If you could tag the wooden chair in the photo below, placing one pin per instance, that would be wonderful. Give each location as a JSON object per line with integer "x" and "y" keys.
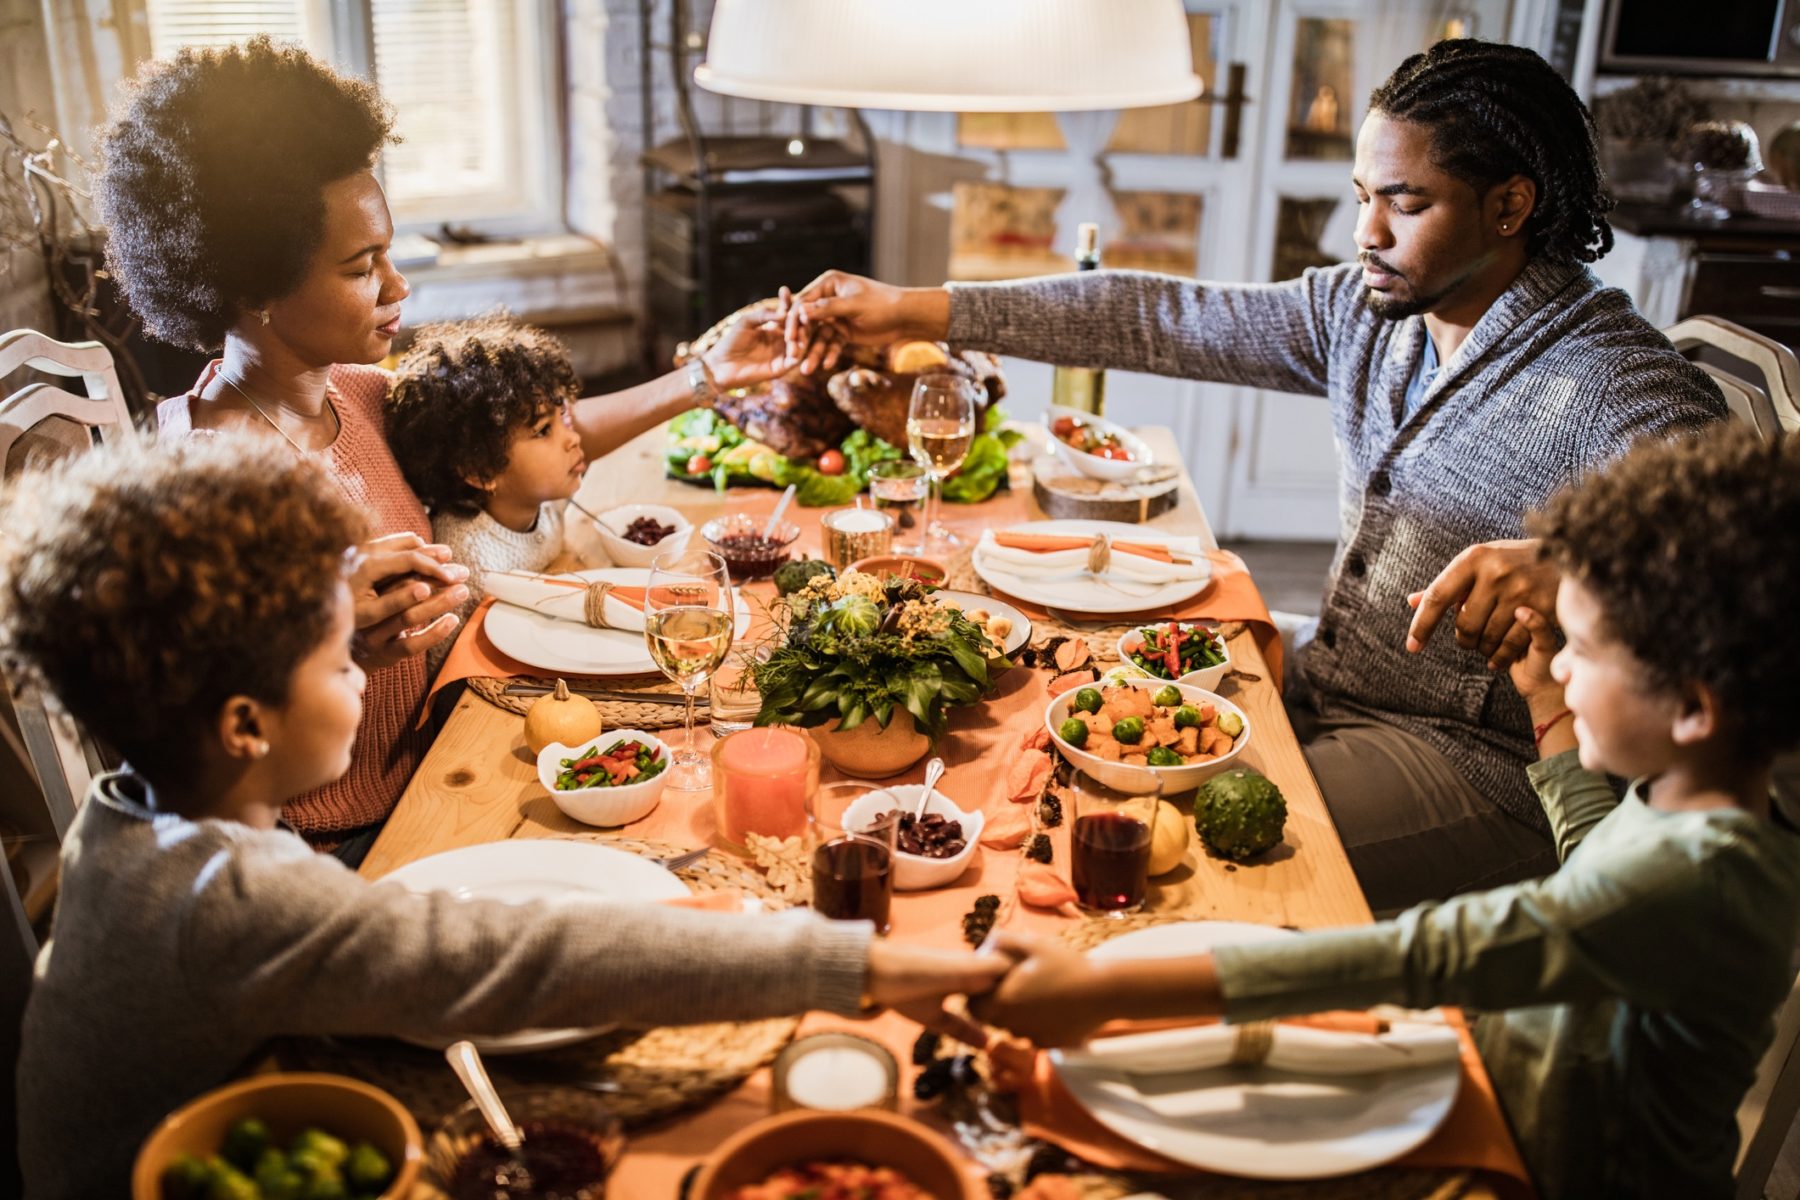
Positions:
{"x": 42, "y": 421}
{"x": 1759, "y": 376}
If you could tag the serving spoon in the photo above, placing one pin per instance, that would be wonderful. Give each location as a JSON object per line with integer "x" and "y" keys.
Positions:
{"x": 465, "y": 1060}
{"x": 934, "y": 771}
{"x": 780, "y": 507}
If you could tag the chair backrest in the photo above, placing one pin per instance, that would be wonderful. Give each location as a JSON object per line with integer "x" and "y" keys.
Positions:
{"x": 1767, "y": 1114}
{"x": 1760, "y": 377}
{"x": 38, "y": 421}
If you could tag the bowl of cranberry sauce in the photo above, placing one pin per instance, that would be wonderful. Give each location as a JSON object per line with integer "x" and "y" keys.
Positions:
{"x": 748, "y": 551}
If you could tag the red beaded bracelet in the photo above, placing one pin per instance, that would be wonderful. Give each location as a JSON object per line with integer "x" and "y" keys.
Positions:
{"x": 1538, "y": 731}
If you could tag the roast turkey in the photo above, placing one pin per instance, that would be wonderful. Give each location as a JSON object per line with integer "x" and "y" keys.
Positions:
{"x": 802, "y": 416}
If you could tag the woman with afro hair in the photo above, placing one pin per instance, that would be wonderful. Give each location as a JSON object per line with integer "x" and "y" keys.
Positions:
{"x": 245, "y": 218}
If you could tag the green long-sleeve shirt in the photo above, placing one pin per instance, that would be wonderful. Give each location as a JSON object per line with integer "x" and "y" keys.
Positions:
{"x": 1638, "y": 984}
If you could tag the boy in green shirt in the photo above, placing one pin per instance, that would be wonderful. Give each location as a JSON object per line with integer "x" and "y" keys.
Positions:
{"x": 1631, "y": 994}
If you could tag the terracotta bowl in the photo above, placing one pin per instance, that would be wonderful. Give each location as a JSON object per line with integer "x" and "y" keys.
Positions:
{"x": 869, "y": 1136}
{"x": 926, "y": 570}
{"x": 288, "y": 1102}
{"x": 871, "y": 751}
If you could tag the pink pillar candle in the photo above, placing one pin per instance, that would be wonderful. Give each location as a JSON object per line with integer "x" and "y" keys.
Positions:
{"x": 761, "y": 779}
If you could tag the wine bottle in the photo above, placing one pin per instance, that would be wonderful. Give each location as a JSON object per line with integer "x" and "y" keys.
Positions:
{"x": 1082, "y": 388}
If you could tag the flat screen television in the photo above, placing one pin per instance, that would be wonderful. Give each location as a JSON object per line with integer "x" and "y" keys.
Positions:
{"x": 1684, "y": 37}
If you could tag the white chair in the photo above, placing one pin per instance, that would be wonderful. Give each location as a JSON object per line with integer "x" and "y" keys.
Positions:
{"x": 1769, "y": 403}
{"x": 39, "y": 422}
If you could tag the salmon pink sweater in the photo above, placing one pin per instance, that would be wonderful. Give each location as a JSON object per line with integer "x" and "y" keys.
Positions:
{"x": 388, "y": 748}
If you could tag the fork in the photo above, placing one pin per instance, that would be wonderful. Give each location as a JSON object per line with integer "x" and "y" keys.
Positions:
{"x": 686, "y": 859}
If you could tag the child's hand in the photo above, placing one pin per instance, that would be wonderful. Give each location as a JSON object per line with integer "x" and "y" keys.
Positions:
{"x": 406, "y": 593}
{"x": 1531, "y": 673}
{"x": 753, "y": 350}
{"x": 916, "y": 980}
{"x": 1053, "y": 995}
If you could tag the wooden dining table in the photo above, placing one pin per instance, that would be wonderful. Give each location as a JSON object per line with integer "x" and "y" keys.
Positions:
{"x": 478, "y": 784}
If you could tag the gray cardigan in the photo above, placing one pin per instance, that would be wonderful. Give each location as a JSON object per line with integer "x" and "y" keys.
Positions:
{"x": 1557, "y": 377}
{"x": 179, "y": 946}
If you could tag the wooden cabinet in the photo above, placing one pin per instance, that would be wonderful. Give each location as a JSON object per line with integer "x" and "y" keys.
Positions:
{"x": 1744, "y": 269}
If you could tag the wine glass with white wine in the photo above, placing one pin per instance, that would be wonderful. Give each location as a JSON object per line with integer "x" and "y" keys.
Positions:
{"x": 940, "y": 426}
{"x": 689, "y": 612}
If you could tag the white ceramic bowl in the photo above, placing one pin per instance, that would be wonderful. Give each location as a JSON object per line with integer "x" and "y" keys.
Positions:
{"x": 1123, "y": 776}
{"x": 915, "y": 872}
{"x": 1206, "y": 678}
{"x": 630, "y": 554}
{"x": 1092, "y": 465}
{"x": 604, "y": 805}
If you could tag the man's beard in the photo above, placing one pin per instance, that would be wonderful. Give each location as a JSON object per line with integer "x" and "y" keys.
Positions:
{"x": 1393, "y": 308}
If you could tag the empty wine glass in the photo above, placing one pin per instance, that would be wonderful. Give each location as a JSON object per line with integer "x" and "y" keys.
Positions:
{"x": 940, "y": 425}
{"x": 689, "y": 612}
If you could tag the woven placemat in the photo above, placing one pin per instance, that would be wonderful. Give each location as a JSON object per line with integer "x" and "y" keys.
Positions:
{"x": 617, "y": 714}
{"x": 644, "y": 1075}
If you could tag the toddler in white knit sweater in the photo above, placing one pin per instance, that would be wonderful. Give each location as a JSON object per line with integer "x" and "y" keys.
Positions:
{"x": 479, "y": 420}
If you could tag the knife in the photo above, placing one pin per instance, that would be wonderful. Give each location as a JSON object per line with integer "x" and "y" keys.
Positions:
{"x": 538, "y": 689}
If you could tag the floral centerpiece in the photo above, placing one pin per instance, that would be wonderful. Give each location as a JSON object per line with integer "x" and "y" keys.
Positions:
{"x": 859, "y": 649}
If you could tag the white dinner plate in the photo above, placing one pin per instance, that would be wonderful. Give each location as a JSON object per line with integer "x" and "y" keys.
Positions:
{"x": 1251, "y": 1122}
{"x": 528, "y": 869}
{"x": 1021, "y": 624}
{"x": 551, "y": 644}
{"x": 1087, "y": 594}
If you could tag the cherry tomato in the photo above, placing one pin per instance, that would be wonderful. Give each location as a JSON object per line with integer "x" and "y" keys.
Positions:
{"x": 700, "y": 464}
{"x": 1065, "y": 426}
{"x": 831, "y": 462}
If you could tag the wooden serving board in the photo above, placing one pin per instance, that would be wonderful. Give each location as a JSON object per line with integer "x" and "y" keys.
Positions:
{"x": 1063, "y": 492}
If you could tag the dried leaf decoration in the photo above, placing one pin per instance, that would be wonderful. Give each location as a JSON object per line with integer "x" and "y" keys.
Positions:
{"x": 1007, "y": 827}
{"x": 785, "y": 862}
{"x": 1073, "y": 654}
{"x": 1027, "y": 777}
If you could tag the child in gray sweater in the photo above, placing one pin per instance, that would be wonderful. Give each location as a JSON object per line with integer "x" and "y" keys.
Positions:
{"x": 1628, "y": 996}
{"x": 187, "y": 603}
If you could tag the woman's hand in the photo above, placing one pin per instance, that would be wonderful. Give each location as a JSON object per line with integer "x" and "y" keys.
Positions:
{"x": 915, "y": 981}
{"x": 753, "y": 350}
{"x": 406, "y": 591}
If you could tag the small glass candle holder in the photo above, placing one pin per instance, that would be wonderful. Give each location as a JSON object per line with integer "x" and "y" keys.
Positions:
{"x": 762, "y": 782}
{"x": 853, "y": 533}
{"x": 835, "y": 1072}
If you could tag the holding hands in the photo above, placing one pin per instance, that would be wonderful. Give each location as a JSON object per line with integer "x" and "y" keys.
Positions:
{"x": 1485, "y": 585}
{"x": 406, "y": 592}
{"x": 837, "y": 308}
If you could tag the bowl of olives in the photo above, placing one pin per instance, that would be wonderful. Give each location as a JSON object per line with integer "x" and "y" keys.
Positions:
{"x": 1117, "y": 732}
{"x": 931, "y": 850}
{"x": 287, "y": 1133}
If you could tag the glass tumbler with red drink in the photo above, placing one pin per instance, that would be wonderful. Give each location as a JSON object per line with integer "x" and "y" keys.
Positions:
{"x": 853, "y": 827}
{"x": 1110, "y": 842}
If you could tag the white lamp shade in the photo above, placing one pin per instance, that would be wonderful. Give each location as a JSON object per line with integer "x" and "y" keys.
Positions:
{"x": 952, "y": 55}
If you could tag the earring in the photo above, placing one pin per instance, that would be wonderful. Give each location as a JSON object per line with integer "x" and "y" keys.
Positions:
{"x": 259, "y": 749}
{"x": 1503, "y": 228}
{"x": 264, "y": 315}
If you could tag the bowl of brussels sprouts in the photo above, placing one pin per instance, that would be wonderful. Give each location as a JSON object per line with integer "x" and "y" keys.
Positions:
{"x": 1119, "y": 731}
{"x": 282, "y": 1134}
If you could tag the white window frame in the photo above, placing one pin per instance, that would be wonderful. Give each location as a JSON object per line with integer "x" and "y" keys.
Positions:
{"x": 348, "y": 28}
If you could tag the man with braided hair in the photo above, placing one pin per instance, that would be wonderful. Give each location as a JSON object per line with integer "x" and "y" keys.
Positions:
{"x": 1473, "y": 365}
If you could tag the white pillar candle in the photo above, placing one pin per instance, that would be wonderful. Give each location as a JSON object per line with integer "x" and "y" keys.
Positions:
{"x": 852, "y": 534}
{"x": 835, "y": 1072}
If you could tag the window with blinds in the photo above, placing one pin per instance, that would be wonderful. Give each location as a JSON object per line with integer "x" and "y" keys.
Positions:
{"x": 469, "y": 81}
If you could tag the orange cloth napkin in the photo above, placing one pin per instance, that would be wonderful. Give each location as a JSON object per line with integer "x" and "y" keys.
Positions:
{"x": 1474, "y": 1136}
{"x": 472, "y": 655}
{"x": 730, "y": 901}
{"x": 1231, "y": 595}
{"x": 1049, "y": 543}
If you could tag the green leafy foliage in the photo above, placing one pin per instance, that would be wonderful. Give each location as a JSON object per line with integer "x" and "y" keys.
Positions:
{"x": 855, "y": 657}
{"x": 736, "y": 460}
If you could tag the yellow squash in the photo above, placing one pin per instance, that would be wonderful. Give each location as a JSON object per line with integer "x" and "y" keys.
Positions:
{"x": 561, "y": 717}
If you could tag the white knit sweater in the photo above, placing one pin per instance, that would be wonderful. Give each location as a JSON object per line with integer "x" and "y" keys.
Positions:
{"x": 483, "y": 544}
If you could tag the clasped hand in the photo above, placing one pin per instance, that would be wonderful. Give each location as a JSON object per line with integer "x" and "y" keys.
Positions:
{"x": 406, "y": 592}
